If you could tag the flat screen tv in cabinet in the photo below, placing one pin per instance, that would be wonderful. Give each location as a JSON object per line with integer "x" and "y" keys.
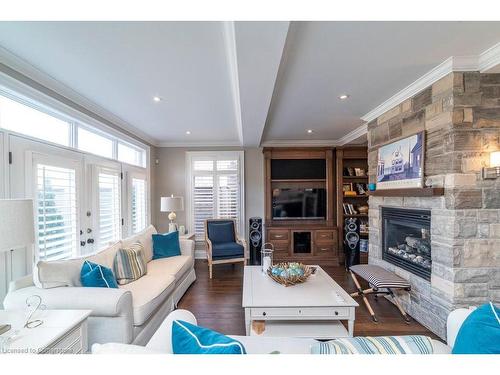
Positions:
{"x": 300, "y": 209}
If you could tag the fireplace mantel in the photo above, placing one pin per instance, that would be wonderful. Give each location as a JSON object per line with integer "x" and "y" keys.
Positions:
{"x": 411, "y": 192}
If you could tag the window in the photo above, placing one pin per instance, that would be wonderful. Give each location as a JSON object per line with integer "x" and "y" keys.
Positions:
{"x": 18, "y": 116}
{"x": 131, "y": 155}
{"x": 56, "y": 205}
{"x": 109, "y": 208}
{"x": 215, "y": 188}
{"x": 94, "y": 143}
{"x": 138, "y": 205}
{"x": 26, "y": 120}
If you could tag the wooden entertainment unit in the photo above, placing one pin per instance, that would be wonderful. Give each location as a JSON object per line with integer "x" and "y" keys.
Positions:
{"x": 310, "y": 240}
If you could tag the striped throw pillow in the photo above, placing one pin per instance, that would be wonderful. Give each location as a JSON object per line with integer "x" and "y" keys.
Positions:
{"x": 375, "y": 345}
{"x": 129, "y": 264}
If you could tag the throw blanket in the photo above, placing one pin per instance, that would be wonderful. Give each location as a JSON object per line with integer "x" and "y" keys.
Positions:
{"x": 375, "y": 345}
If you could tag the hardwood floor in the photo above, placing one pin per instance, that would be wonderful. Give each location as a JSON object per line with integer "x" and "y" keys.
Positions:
{"x": 216, "y": 304}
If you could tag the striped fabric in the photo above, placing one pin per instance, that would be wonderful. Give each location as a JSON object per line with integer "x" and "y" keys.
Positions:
{"x": 129, "y": 264}
{"x": 376, "y": 345}
{"x": 379, "y": 277}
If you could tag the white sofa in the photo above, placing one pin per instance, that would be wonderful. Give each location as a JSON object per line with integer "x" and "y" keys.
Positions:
{"x": 160, "y": 343}
{"x": 130, "y": 314}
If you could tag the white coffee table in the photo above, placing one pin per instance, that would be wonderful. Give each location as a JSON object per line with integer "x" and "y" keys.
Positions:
{"x": 312, "y": 309}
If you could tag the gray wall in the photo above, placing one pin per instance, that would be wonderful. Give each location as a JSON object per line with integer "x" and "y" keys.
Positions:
{"x": 170, "y": 178}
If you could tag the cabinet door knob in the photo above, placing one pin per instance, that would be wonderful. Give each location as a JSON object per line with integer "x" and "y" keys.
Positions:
{"x": 336, "y": 313}
{"x": 264, "y": 313}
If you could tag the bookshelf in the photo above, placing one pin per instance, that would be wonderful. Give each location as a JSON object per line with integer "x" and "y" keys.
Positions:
{"x": 351, "y": 162}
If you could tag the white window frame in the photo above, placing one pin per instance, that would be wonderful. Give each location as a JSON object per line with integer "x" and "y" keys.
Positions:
{"x": 131, "y": 172}
{"x": 214, "y": 155}
{"x": 30, "y": 187}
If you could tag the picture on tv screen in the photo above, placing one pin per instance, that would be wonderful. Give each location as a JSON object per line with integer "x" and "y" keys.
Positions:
{"x": 299, "y": 203}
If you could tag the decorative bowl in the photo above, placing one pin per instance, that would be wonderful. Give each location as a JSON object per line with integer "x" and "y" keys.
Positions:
{"x": 289, "y": 273}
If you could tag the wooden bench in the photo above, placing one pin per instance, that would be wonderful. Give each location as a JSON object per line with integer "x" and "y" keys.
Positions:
{"x": 380, "y": 281}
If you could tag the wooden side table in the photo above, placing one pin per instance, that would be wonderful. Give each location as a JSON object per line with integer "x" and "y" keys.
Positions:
{"x": 62, "y": 332}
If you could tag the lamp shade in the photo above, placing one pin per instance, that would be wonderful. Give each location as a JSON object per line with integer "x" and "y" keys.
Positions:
{"x": 16, "y": 223}
{"x": 170, "y": 204}
{"x": 495, "y": 159}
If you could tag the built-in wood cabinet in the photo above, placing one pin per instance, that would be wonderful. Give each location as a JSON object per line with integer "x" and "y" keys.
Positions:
{"x": 308, "y": 240}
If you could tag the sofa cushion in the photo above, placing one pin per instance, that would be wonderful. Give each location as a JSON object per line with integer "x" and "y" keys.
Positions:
{"x": 227, "y": 250}
{"x": 221, "y": 231}
{"x": 148, "y": 293}
{"x": 53, "y": 274}
{"x": 188, "y": 338}
{"x": 480, "y": 332}
{"x": 145, "y": 238}
{"x": 166, "y": 245}
{"x": 376, "y": 345}
{"x": 129, "y": 264}
{"x": 94, "y": 275}
{"x": 175, "y": 266}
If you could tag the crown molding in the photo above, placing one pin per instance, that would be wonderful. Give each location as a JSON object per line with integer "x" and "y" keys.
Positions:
{"x": 300, "y": 143}
{"x": 32, "y": 73}
{"x": 451, "y": 64}
{"x": 489, "y": 58}
{"x": 200, "y": 144}
{"x": 353, "y": 135}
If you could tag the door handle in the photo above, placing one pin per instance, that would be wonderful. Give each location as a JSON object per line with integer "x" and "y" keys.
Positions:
{"x": 90, "y": 240}
{"x": 83, "y": 243}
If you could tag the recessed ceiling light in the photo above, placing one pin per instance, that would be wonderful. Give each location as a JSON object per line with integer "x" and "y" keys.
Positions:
{"x": 310, "y": 131}
{"x": 343, "y": 96}
{"x": 188, "y": 132}
{"x": 156, "y": 99}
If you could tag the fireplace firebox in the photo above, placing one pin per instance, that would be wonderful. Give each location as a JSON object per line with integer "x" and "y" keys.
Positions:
{"x": 406, "y": 239}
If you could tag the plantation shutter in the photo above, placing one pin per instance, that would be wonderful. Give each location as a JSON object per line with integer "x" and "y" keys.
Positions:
{"x": 216, "y": 189}
{"x": 203, "y": 203}
{"x": 228, "y": 196}
{"x": 138, "y": 205}
{"x": 57, "y": 211}
{"x": 109, "y": 207}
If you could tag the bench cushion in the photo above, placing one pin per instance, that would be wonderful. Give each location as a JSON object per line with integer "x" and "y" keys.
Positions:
{"x": 379, "y": 277}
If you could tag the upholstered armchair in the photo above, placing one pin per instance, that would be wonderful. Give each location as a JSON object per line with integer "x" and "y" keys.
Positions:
{"x": 223, "y": 244}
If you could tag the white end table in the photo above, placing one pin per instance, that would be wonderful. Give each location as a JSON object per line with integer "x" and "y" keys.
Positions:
{"x": 312, "y": 309}
{"x": 62, "y": 331}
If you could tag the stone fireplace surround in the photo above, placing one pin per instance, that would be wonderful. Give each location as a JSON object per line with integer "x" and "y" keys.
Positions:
{"x": 460, "y": 114}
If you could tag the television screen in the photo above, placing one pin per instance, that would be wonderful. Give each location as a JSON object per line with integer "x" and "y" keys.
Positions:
{"x": 297, "y": 203}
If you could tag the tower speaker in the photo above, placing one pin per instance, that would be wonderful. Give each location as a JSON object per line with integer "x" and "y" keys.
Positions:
{"x": 351, "y": 241}
{"x": 255, "y": 239}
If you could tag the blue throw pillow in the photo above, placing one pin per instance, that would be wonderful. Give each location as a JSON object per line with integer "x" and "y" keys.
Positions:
{"x": 480, "y": 332}
{"x": 166, "y": 245}
{"x": 97, "y": 276}
{"x": 190, "y": 339}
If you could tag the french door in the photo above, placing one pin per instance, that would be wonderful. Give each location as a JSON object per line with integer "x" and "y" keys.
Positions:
{"x": 77, "y": 198}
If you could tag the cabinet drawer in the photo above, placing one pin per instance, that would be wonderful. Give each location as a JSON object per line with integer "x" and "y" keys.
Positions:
{"x": 324, "y": 249}
{"x": 299, "y": 313}
{"x": 279, "y": 235}
{"x": 281, "y": 248}
{"x": 70, "y": 343}
{"x": 325, "y": 236}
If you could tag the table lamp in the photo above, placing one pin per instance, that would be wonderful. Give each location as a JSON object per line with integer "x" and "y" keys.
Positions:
{"x": 16, "y": 229}
{"x": 172, "y": 204}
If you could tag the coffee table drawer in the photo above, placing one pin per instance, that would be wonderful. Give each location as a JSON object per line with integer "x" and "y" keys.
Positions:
{"x": 299, "y": 312}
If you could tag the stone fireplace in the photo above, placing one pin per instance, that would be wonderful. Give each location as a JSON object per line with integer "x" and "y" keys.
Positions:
{"x": 459, "y": 245}
{"x": 406, "y": 239}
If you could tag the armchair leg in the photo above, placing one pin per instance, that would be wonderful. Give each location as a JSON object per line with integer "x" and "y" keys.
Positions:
{"x": 210, "y": 269}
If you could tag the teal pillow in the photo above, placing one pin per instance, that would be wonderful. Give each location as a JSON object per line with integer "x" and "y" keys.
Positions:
{"x": 166, "y": 245}
{"x": 96, "y": 276}
{"x": 190, "y": 339}
{"x": 480, "y": 332}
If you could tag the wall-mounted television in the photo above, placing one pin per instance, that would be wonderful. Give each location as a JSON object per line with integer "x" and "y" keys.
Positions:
{"x": 299, "y": 203}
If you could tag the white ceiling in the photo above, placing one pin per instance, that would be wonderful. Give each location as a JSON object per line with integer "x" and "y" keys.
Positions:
{"x": 240, "y": 83}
